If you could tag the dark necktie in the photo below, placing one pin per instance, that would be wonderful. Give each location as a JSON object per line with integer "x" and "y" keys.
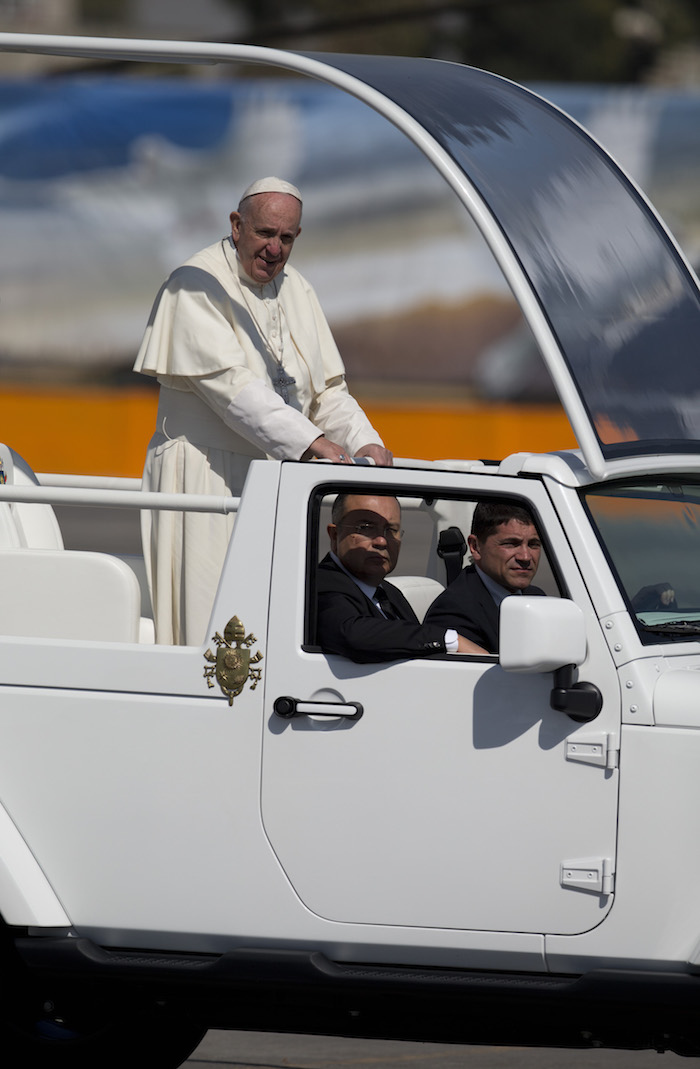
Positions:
{"x": 385, "y": 605}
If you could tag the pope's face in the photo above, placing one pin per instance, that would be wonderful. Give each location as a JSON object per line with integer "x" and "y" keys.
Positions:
{"x": 510, "y": 555}
{"x": 368, "y": 538}
{"x": 265, "y": 233}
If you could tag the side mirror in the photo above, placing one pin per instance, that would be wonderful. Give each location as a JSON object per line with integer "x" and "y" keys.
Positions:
{"x": 540, "y": 634}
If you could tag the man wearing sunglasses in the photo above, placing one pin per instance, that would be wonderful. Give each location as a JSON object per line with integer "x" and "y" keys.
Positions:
{"x": 360, "y": 616}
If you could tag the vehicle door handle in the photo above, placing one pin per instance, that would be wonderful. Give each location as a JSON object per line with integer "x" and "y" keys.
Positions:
{"x": 290, "y": 707}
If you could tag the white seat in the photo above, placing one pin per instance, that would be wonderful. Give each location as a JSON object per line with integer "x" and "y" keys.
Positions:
{"x": 62, "y": 593}
{"x": 21, "y": 524}
{"x": 51, "y": 598}
{"x": 147, "y": 628}
{"x": 420, "y": 591}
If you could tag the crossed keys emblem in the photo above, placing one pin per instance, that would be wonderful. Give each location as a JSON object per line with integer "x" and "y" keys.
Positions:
{"x": 232, "y": 664}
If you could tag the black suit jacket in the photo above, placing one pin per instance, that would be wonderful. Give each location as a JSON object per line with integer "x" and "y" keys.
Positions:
{"x": 350, "y": 623}
{"x": 467, "y": 606}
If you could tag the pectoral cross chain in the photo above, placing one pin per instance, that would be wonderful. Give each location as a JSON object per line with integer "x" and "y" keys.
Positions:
{"x": 281, "y": 381}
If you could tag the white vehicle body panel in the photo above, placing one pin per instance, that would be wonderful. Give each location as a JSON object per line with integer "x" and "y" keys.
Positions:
{"x": 26, "y": 897}
{"x": 653, "y": 810}
{"x": 431, "y": 809}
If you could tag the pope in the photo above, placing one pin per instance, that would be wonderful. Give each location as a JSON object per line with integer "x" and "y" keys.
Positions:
{"x": 247, "y": 368}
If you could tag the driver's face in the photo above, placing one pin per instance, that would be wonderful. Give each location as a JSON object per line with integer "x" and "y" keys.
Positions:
{"x": 510, "y": 555}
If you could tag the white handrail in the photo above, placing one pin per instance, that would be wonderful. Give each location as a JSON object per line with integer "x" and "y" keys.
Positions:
{"x": 126, "y": 499}
{"x": 94, "y": 482}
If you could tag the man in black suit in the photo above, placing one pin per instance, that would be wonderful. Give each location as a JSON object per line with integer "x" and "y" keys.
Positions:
{"x": 360, "y": 616}
{"x": 505, "y": 549}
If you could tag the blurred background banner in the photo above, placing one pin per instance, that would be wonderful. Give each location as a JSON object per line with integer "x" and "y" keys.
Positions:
{"x": 107, "y": 185}
{"x": 113, "y": 175}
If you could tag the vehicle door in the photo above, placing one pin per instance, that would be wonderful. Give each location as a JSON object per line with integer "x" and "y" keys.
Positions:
{"x": 459, "y": 798}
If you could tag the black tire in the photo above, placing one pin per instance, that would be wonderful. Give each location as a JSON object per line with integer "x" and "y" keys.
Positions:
{"x": 80, "y": 1034}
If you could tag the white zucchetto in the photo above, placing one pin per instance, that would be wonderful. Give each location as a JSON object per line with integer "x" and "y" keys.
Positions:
{"x": 271, "y": 185}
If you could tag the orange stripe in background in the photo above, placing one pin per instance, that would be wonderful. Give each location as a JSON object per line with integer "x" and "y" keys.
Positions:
{"x": 87, "y": 431}
{"x": 96, "y": 431}
{"x": 472, "y": 432}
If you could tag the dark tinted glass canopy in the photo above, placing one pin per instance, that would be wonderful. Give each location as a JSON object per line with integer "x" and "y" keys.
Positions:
{"x": 621, "y": 304}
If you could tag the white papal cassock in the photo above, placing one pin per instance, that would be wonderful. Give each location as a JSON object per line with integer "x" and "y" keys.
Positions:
{"x": 216, "y": 341}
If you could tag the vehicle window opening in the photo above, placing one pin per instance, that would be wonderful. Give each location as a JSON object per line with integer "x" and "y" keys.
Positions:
{"x": 433, "y": 550}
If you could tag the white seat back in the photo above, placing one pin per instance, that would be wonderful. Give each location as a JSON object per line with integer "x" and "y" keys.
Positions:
{"x": 147, "y": 628}
{"x": 61, "y": 593}
{"x": 420, "y": 591}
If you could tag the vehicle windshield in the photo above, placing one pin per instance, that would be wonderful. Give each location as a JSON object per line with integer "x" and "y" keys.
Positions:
{"x": 651, "y": 533}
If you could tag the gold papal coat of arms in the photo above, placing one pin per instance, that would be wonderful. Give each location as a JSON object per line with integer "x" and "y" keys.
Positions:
{"x": 232, "y": 664}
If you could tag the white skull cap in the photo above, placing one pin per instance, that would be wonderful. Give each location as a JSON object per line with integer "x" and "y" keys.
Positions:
{"x": 271, "y": 185}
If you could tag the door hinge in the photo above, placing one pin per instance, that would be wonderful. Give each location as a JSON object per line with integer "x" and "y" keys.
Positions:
{"x": 600, "y": 749}
{"x": 589, "y": 874}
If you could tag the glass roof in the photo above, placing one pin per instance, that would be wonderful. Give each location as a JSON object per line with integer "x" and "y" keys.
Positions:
{"x": 621, "y": 303}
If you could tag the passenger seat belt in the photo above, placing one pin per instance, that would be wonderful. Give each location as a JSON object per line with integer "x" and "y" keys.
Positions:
{"x": 452, "y": 548}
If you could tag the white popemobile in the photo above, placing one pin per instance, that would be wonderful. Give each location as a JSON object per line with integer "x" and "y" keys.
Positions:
{"x": 252, "y": 834}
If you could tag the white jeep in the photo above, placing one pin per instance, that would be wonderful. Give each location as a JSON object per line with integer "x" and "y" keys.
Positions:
{"x": 470, "y": 849}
